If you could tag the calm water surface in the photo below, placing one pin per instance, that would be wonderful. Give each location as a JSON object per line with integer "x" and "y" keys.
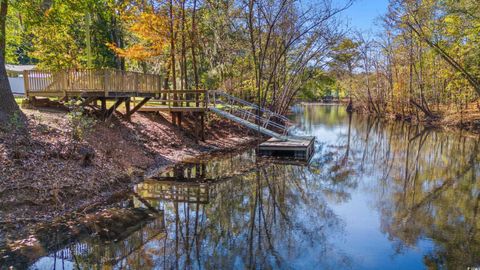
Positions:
{"x": 376, "y": 195}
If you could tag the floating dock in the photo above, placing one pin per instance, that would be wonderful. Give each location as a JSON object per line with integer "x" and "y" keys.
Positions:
{"x": 298, "y": 148}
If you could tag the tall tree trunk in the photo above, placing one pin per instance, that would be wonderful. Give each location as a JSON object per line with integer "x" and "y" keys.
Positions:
{"x": 8, "y": 106}
{"x": 116, "y": 37}
{"x": 193, "y": 41}
{"x": 172, "y": 50}
{"x": 184, "y": 81}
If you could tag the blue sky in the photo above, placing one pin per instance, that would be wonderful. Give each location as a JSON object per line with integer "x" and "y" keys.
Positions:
{"x": 362, "y": 15}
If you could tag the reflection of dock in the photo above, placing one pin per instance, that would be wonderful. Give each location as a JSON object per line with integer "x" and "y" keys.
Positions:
{"x": 191, "y": 182}
{"x": 190, "y": 192}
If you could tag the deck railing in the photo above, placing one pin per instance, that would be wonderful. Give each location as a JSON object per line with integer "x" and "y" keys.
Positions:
{"x": 90, "y": 80}
{"x": 108, "y": 83}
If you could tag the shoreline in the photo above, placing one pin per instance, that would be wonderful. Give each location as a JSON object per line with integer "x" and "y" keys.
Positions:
{"x": 468, "y": 120}
{"x": 45, "y": 178}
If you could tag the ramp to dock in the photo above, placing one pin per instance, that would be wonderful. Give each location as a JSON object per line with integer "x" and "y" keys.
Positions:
{"x": 249, "y": 115}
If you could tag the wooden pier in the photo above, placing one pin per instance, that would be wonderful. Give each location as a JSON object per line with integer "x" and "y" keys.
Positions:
{"x": 296, "y": 148}
{"x": 97, "y": 88}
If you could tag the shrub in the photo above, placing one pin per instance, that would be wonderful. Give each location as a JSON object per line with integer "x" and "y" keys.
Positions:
{"x": 80, "y": 123}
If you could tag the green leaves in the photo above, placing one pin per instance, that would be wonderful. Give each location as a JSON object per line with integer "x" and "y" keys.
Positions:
{"x": 55, "y": 33}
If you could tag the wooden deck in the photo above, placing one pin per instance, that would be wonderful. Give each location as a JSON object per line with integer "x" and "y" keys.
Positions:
{"x": 122, "y": 88}
{"x": 93, "y": 86}
{"x": 109, "y": 84}
{"x": 171, "y": 109}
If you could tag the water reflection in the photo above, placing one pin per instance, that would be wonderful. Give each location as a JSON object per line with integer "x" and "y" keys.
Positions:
{"x": 377, "y": 195}
{"x": 264, "y": 217}
{"x": 111, "y": 237}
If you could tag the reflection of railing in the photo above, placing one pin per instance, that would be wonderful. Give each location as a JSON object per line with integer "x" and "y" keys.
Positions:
{"x": 189, "y": 192}
{"x": 114, "y": 251}
{"x": 195, "y": 182}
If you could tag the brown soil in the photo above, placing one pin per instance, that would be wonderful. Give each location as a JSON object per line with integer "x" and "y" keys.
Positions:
{"x": 43, "y": 172}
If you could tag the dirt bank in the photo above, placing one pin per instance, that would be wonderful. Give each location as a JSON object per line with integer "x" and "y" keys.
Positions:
{"x": 46, "y": 173}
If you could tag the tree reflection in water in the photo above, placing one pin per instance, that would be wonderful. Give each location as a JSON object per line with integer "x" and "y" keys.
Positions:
{"x": 421, "y": 187}
{"x": 426, "y": 186}
{"x": 430, "y": 190}
{"x": 425, "y": 182}
{"x": 274, "y": 216}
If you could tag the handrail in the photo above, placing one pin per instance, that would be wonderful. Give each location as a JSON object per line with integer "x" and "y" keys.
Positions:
{"x": 255, "y": 106}
{"x": 235, "y": 107}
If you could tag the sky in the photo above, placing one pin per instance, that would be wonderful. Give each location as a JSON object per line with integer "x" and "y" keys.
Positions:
{"x": 362, "y": 15}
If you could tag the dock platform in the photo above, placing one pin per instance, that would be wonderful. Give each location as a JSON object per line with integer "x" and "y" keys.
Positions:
{"x": 298, "y": 148}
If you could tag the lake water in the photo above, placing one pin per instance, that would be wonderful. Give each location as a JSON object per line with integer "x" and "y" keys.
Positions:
{"x": 376, "y": 195}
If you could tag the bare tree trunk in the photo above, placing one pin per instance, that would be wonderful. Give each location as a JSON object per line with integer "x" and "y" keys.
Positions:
{"x": 172, "y": 50}
{"x": 251, "y": 14}
{"x": 193, "y": 40}
{"x": 183, "y": 60}
{"x": 8, "y": 106}
{"x": 117, "y": 38}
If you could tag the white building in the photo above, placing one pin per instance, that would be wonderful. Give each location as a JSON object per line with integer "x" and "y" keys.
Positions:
{"x": 15, "y": 77}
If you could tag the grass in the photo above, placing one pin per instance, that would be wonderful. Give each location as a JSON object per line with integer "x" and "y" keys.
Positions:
{"x": 19, "y": 100}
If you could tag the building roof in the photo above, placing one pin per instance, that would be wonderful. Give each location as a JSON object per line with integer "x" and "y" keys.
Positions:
{"x": 19, "y": 68}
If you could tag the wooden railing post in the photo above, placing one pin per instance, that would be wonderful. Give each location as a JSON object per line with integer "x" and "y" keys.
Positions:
{"x": 135, "y": 82}
{"x": 26, "y": 83}
{"x": 105, "y": 81}
{"x": 205, "y": 99}
{"x": 63, "y": 80}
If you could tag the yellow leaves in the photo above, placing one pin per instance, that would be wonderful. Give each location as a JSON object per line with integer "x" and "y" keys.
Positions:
{"x": 152, "y": 33}
{"x": 152, "y": 27}
{"x": 137, "y": 52}
{"x": 452, "y": 23}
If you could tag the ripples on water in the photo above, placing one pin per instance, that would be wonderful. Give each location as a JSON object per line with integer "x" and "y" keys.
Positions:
{"x": 377, "y": 195}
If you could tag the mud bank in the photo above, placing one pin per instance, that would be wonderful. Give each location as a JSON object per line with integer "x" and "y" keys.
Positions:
{"x": 45, "y": 173}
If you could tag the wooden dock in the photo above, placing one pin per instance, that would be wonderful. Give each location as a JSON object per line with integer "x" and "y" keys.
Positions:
{"x": 97, "y": 88}
{"x": 93, "y": 85}
{"x": 296, "y": 148}
{"x": 92, "y": 88}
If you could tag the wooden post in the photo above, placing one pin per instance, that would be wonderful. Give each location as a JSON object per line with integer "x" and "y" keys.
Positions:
{"x": 27, "y": 83}
{"x": 174, "y": 121}
{"x": 104, "y": 104}
{"x": 114, "y": 107}
{"x": 202, "y": 129}
{"x": 135, "y": 81}
{"x": 198, "y": 126}
{"x": 105, "y": 83}
{"x": 127, "y": 108}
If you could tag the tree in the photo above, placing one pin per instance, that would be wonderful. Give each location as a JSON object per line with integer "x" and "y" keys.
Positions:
{"x": 285, "y": 38}
{"x": 71, "y": 34}
{"x": 8, "y": 106}
{"x": 424, "y": 62}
